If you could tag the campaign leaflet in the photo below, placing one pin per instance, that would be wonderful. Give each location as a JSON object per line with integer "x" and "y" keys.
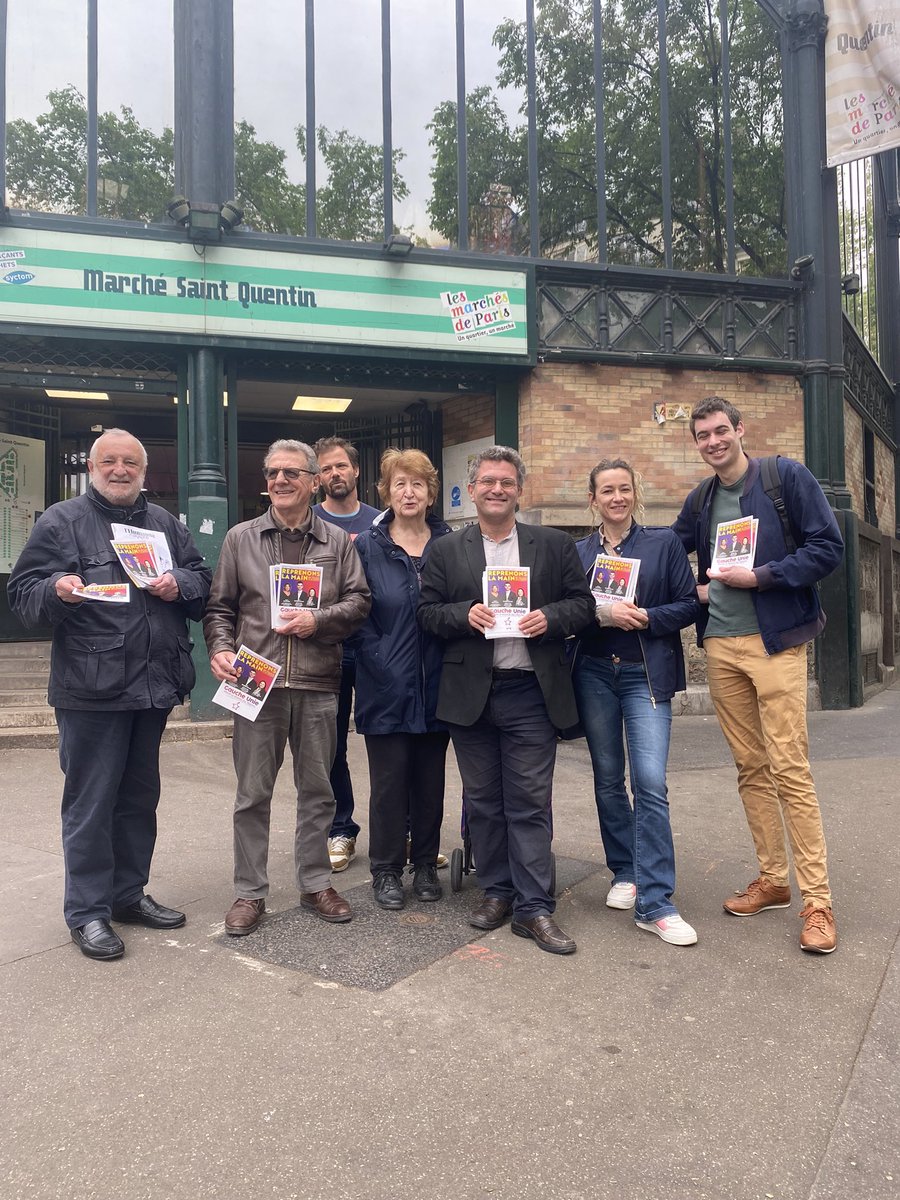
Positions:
{"x": 292, "y": 587}
{"x": 507, "y": 593}
{"x": 614, "y": 578}
{"x": 155, "y": 537}
{"x": 111, "y": 593}
{"x": 249, "y": 692}
{"x": 138, "y": 561}
{"x": 735, "y": 543}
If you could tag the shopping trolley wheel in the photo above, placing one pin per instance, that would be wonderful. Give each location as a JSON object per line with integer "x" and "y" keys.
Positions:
{"x": 456, "y": 869}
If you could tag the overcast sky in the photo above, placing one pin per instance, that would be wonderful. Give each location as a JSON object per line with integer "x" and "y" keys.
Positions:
{"x": 47, "y": 47}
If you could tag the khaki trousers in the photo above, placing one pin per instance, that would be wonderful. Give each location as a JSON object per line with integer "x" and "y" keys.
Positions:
{"x": 306, "y": 721}
{"x": 760, "y": 700}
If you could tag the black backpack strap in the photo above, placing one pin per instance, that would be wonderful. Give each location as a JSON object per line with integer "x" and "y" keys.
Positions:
{"x": 700, "y": 493}
{"x": 771, "y": 481}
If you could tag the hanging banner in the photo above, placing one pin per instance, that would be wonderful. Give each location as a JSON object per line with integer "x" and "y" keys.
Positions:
{"x": 862, "y": 78}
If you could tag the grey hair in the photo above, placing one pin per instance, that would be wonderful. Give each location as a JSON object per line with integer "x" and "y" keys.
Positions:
{"x": 291, "y": 446}
{"x": 498, "y": 454}
{"x": 92, "y": 454}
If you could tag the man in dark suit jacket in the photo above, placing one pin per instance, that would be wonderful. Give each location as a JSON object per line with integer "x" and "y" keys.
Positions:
{"x": 503, "y": 699}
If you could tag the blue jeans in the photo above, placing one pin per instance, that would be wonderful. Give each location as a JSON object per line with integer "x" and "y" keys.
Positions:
{"x": 612, "y": 698}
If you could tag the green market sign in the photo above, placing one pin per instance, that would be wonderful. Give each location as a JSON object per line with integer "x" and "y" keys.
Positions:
{"x": 75, "y": 280}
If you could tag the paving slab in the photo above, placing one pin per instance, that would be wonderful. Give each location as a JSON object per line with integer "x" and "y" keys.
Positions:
{"x": 195, "y": 1069}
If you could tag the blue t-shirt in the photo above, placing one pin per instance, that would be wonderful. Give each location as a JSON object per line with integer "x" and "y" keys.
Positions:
{"x": 352, "y": 523}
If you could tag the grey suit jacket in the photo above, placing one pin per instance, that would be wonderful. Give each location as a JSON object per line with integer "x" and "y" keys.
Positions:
{"x": 452, "y": 583}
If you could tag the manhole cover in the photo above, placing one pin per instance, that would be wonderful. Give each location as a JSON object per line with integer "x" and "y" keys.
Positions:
{"x": 415, "y": 918}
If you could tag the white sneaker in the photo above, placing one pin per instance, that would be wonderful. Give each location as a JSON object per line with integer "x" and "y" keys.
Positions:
{"x": 621, "y": 895}
{"x": 340, "y": 851}
{"x": 672, "y": 929}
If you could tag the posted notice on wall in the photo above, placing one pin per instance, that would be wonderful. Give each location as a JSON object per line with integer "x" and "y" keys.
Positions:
{"x": 21, "y": 494}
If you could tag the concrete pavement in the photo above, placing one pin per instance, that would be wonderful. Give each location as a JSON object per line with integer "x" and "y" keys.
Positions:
{"x": 201, "y": 1067}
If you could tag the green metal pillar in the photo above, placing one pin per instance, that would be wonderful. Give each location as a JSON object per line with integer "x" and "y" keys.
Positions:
{"x": 814, "y": 251}
{"x": 506, "y": 411}
{"x": 207, "y": 510}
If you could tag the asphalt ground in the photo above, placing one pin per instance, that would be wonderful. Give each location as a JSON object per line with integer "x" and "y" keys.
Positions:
{"x": 405, "y": 1054}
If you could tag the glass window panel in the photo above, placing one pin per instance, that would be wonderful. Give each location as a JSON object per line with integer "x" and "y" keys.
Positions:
{"x": 350, "y": 193}
{"x": 135, "y": 162}
{"x": 269, "y": 107}
{"x": 423, "y": 55}
{"x": 46, "y": 86}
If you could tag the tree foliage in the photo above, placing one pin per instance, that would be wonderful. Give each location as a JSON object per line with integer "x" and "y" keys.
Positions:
{"x": 47, "y": 168}
{"x": 631, "y": 115}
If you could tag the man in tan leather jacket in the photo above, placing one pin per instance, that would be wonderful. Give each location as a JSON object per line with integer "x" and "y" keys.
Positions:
{"x": 303, "y": 702}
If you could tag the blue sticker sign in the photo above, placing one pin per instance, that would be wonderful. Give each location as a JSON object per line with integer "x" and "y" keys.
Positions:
{"x": 18, "y": 277}
{"x": 455, "y": 497}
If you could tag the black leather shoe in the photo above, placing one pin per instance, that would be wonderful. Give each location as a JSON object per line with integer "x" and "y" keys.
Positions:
{"x": 425, "y": 883}
{"x": 97, "y": 940}
{"x": 147, "y": 912}
{"x": 491, "y": 913}
{"x": 388, "y": 889}
{"x": 545, "y": 931}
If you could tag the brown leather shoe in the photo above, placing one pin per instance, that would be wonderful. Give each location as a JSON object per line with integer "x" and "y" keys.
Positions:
{"x": 819, "y": 935}
{"x": 545, "y": 931}
{"x": 491, "y": 913}
{"x": 757, "y": 897}
{"x": 244, "y": 916}
{"x": 328, "y": 905}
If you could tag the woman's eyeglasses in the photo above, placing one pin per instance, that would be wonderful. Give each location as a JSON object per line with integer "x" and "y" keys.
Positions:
{"x": 292, "y": 473}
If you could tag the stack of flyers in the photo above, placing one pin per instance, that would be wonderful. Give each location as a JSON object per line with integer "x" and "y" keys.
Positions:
{"x": 507, "y": 593}
{"x": 138, "y": 560}
{"x": 735, "y": 543}
{"x": 293, "y": 587}
{"x": 154, "y": 537}
{"x": 112, "y": 593}
{"x": 614, "y": 578}
{"x": 249, "y": 692}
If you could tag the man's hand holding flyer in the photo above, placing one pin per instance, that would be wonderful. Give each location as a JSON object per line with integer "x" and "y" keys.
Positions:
{"x": 248, "y": 691}
{"x": 507, "y": 593}
{"x": 735, "y": 544}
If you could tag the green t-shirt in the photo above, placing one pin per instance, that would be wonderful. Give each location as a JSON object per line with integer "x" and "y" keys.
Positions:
{"x": 731, "y": 611}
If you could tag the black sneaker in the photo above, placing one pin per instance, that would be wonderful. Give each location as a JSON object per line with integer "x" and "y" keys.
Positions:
{"x": 388, "y": 889}
{"x": 425, "y": 883}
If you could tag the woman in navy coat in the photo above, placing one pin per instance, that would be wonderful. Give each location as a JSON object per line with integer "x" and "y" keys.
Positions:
{"x": 398, "y": 668}
{"x": 629, "y": 665}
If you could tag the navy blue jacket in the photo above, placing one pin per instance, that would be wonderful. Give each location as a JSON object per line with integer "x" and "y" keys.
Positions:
{"x": 785, "y": 598}
{"x": 666, "y": 589}
{"x": 398, "y": 664}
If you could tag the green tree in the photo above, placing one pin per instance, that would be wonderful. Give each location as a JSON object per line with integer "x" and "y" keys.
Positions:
{"x": 631, "y": 111}
{"x": 47, "y": 167}
{"x": 47, "y": 161}
{"x": 350, "y": 206}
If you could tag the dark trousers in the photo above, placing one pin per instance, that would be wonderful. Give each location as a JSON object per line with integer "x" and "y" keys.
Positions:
{"x": 506, "y": 761}
{"x": 343, "y": 824}
{"x": 111, "y": 764}
{"x": 406, "y": 776}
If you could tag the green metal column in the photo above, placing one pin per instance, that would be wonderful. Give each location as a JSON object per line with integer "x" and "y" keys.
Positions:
{"x": 814, "y": 251}
{"x": 207, "y": 498}
{"x": 506, "y": 411}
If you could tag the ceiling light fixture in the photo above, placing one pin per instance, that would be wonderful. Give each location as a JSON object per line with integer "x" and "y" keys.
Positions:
{"x": 322, "y": 404}
{"x": 66, "y": 395}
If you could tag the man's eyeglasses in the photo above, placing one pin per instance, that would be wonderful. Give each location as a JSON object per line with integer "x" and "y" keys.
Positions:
{"x": 508, "y": 485}
{"x": 292, "y": 473}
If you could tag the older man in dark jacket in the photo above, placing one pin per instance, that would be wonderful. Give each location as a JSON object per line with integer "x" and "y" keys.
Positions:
{"x": 116, "y": 672}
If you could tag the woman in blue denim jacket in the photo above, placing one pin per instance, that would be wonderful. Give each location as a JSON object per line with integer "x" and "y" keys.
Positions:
{"x": 628, "y": 667}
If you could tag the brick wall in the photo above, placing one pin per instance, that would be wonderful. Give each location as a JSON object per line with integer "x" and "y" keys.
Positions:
{"x": 854, "y": 462}
{"x": 573, "y": 414}
{"x": 854, "y": 465}
{"x": 467, "y": 418}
